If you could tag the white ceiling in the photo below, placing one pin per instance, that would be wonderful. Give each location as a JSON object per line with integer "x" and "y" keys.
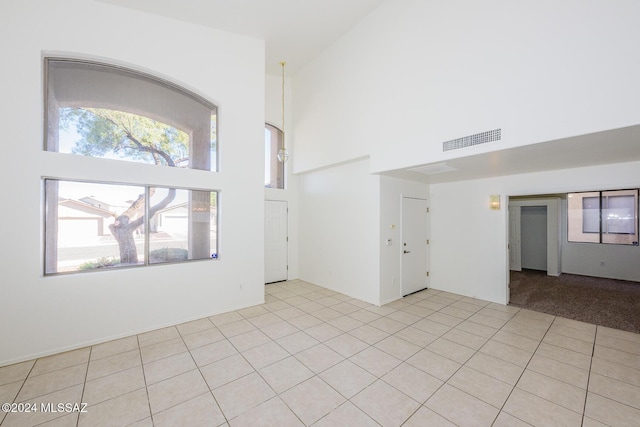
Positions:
{"x": 295, "y": 31}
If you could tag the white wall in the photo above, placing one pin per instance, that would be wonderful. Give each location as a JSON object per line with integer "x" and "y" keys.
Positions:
{"x": 273, "y": 116}
{"x": 42, "y": 315}
{"x": 416, "y": 73}
{"x": 469, "y": 242}
{"x": 413, "y": 74}
{"x": 346, "y": 216}
{"x": 339, "y": 235}
{"x": 468, "y": 249}
{"x": 391, "y": 192}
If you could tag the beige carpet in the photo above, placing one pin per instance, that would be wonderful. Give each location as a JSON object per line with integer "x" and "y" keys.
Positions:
{"x": 604, "y": 302}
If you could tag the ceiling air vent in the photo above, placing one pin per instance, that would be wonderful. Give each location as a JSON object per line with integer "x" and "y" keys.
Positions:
{"x": 468, "y": 141}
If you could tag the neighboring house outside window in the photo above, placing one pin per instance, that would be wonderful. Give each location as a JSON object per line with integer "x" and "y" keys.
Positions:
{"x": 111, "y": 113}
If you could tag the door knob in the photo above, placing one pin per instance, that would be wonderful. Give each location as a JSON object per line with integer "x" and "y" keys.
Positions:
{"x": 407, "y": 252}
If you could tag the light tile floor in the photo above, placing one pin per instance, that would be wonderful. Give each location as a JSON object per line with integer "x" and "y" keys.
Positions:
{"x": 310, "y": 356}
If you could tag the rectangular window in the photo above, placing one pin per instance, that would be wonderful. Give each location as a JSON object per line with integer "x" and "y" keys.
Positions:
{"x": 619, "y": 217}
{"x": 90, "y": 226}
{"x": 603, "y": 217}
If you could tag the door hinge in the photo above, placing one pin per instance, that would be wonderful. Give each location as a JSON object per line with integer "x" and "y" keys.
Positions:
{"x": 427, "y": 241}
{"x": 427, "y": 210}
{"x": 427, "y": 274}
{"x": 287, "y": 238}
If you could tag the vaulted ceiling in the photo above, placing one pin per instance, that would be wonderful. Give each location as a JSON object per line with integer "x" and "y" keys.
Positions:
{"x": 295, "y": 31}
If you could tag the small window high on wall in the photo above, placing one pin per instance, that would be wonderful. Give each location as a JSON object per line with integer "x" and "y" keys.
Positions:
{"x": 603, "y": 217}
{"x": 273, "y": 169}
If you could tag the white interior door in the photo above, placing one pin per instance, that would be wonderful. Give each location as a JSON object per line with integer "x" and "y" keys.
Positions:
{"x": 515, "y": 239}
{"x": 275, "y": 241}
{"x": 415, "y": 245}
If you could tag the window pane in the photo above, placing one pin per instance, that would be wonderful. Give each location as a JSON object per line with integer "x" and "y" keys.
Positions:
{"x": 111, "y": 134}
{"x": 583, "y": 212}
{"x": 619, "y": 217}
{"x": 591, "y": 214}
{"x": 274, "y": 169}
{"x": 182, "y": 225}
{"x": 109, "y": 112}
{"x": 91, "y": 226}
{"x": 603, "y": 217}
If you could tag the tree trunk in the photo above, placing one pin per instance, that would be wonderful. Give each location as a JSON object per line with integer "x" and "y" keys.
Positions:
{"x": 123, "y": 232}
{"x": 123, "y": 228}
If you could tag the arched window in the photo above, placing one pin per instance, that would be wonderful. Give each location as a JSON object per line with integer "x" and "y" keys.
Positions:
{"x": 105, "y": 111}
{"x": 112, "y": 113}
{"x": 273, "y": 169}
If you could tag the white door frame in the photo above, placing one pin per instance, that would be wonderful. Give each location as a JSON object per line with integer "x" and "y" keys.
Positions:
{"x": 515, "y": 243}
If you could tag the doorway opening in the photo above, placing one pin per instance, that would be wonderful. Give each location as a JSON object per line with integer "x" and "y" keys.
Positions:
{"x": 547, "y": 289}
{"x": 534, "y": 235}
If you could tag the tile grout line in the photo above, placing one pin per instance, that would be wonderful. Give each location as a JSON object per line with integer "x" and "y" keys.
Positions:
{"x": 368, "y": 346}
{"x": 245, "y": 318}
{"x": 478, "y": 351}
{"x": 277, "y": 395}
{"x": 347, "y": 399}
{"x": 20, "y": 389}
{"x": 588, "y": 371}
{"x": 84, "y": 385}
{"x": 314, "y": 373}
{"x": 144, "y": 377}
{"x": 524, "y": 369}
{"x": 226, "y": 420}
{"x": 446, "y": 382}
{"x": 421, "y": 404}
{"x": 586, "y": 392}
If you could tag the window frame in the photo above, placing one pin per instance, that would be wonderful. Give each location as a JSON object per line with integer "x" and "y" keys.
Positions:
{"x": 75, "y": 169}
{"x": 277, "y": 174}
{"x": 576, "y": 232}
{"x": 168, "y": 86}
{"x": 146, "y": 262}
